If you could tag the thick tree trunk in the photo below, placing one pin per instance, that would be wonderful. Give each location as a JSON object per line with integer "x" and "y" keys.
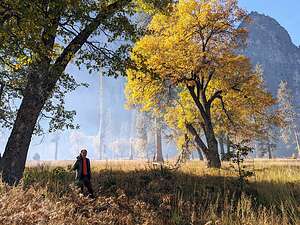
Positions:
{"x": 204, "y": 106}
{"x": 40, "y": 86}
{"x": 211, "y": 151}
{"x": 14, "y": 157}
{"x": 212, "y": 155}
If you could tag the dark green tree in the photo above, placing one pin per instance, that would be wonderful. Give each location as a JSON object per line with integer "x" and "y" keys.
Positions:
{"x": 38, "y": 40}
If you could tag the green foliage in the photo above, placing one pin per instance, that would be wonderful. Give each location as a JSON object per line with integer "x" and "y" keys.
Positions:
{"x": 54, "y": 111}
{"x": 237, "y": 155}
{"x": 40, "y": 36}
{"x": 54, "y": 178}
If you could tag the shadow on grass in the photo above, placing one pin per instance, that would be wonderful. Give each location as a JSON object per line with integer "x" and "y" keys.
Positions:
{"x": 177, "y": 189}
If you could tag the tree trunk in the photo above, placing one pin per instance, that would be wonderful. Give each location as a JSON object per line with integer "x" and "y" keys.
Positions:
{"x": 132, "y": 134}
{"x": 192, "y": 156}
{"x": 212, "y": 156}
{"x": 158, "y": 144}
{"x": 204, "y": 106}
{"x": 38, "y": 89}
{"x": 1, "y": 89}
{"x": 15, "y": 154}
{"x": 269, "y": 152}
{"x": 211, "y": 150}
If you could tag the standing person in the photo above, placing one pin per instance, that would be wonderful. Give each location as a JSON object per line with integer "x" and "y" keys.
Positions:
{"x": 83, "y": 172}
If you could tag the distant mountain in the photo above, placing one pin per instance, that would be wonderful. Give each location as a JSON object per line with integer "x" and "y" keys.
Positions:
{"x": 270, "y": 45}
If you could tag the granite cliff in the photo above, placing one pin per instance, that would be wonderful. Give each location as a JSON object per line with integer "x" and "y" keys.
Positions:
{"x": 270, "y": 45}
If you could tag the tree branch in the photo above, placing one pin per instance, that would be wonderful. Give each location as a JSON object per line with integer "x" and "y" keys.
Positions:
{"x": 210, "y": 75}
{"x": 217, "y": 94}
{"x": 67, "y": 54}
{"x": 197, "y": 138}
{"x": 1, "y": 89}
{"x": 225, "y": 110}
{"x": 197, "y": 101}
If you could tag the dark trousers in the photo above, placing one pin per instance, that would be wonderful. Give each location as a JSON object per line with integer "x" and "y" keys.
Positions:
{"x": 85, "y": 181}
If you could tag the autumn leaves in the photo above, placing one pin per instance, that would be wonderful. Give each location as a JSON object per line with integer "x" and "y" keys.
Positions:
{"x": 189, "y": 74}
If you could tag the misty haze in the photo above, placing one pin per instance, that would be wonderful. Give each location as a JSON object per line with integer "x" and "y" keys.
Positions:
{"x": 149, "y": 112}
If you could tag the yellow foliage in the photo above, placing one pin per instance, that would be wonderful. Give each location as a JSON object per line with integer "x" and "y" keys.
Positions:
{"x": 195, "y": 46}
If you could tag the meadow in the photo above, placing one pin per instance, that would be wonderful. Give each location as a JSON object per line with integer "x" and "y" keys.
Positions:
{"x": 136, "y": 192}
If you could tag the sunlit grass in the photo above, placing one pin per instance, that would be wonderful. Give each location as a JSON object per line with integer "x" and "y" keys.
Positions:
{"x": 134, "y": 192}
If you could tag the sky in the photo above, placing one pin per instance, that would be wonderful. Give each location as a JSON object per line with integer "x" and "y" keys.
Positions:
{"x": 86, "y": 102}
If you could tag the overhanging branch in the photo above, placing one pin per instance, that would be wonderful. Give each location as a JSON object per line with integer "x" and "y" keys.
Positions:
{"x": 67, "y": 54}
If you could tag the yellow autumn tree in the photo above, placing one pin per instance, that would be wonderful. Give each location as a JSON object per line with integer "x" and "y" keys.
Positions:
{"x": 187, "y": 69}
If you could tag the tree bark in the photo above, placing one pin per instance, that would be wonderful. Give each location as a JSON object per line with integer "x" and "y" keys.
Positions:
{"x": 204, "y": 106}
{"x": 212, "y": 156}
{"x": 131, "y": 150}
{"x": 1, "y": 89}
{"x": 15, "y": 154}
{"x": 132, "y": 134}
{"x": 210, "y": 151}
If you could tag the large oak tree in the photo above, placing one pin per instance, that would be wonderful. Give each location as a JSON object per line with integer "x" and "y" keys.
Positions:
{"x": 41, "y": 37}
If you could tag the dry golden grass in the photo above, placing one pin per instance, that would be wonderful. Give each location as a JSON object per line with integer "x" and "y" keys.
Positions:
{"x": 133, "y": 192}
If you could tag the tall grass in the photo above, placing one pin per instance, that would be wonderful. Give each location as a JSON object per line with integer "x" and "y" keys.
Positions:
{"x": 136, "y": 193}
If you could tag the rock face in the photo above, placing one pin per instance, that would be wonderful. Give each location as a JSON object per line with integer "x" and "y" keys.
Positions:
{"x": 270, "y": 45}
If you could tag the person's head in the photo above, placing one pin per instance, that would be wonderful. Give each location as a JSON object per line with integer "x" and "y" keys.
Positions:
{"x": 83, "y": 153}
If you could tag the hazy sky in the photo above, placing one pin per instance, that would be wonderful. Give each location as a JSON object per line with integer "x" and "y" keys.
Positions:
{"x": 86, "y": 103}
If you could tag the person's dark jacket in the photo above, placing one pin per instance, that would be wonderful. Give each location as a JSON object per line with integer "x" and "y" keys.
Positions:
{"x": 78, "y": 166}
